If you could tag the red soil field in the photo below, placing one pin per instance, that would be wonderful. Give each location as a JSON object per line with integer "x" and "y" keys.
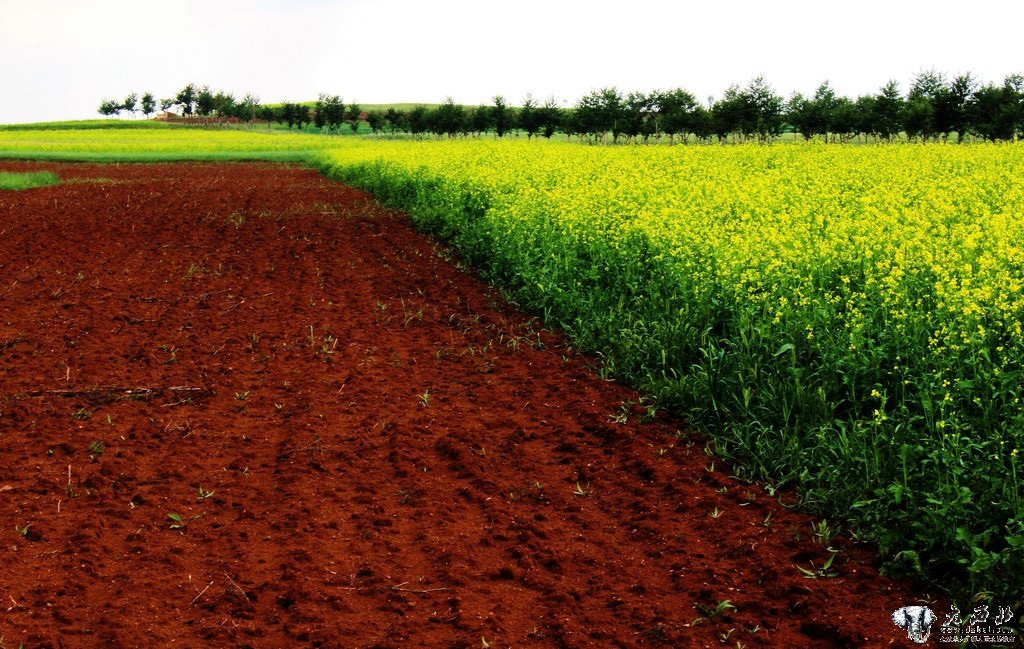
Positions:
{"x": 365, "y": 446}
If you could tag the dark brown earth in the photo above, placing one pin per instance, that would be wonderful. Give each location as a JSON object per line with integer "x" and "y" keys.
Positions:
{"x": 365, "y": 445}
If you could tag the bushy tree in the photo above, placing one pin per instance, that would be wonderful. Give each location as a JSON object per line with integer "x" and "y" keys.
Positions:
{"x": 865, "y": 111}
{"x": 551, "y": 117}
{"x": 148, "y": 104}
{"x": 302, "y": 116}
{"x": 204, "y": 102}
{"x": 888, "y": 115}
{"x": 958, "y": 104}
{"x": 267, "y": 114}
{"x": 530, "y": 117}
{"x": 375, "y": 120}
{"x": 225, "y": 104}
{"x": 186, "y": 98}
{"x": 921, "y": 112}
{"x": 763, "y": 110}
{"x": 130, "y": 103}
{"x": 246, "y": 109}
{"x": 353, "y": 116}
{"x": 728, "y": 114}
{"x": 419, "y": 120}
{"x": 677, "y": 108}
{"x": 319, "y": 115}
{"x": 480, "y": 121}
{"x": 109, "y": 108}
{"x": 397, "y": 120}
{"x": 449, "y": 118}
{"x": 815, "y": 116}
{"x": 599, "y": 112}
{"x": 996, "y": 112}
{"x": 501, "y": 116}
{"x": 334, "y": 111}
{"x": 287, "y": 114}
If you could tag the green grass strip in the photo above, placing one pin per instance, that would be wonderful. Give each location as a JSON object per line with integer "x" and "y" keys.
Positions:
{"x": 30, "y": 180}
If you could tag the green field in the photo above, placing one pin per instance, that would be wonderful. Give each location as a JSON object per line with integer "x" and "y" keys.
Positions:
{"x": 846, "y": 320}
{"x": 18, "y": 181}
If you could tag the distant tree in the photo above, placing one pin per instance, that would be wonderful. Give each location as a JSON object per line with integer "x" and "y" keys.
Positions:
{"x": 922, "y": 112}
{"x": 677, "y": 109}
{"x": 301, "y": 115}
{"x": 836, "y": 113}
{"x": 996, "y": 110}
{"x": 865, "y": 111}
{"x": 131, "y": 103}
{"x": 205, "y": 102}
{"x": 480, "y": 121}
{"x": 148, "y": 104}
{"x": 800, "y": 115}
{"x": 843, "y": 119}
{"x": 449, "y": 118}
{"x": 334, "y": 111}
{"x": 352, "y": 115}
{"x": 551, "y": 117}
{"x": 167, "y": 103}
{"x": 530, "y": 117}
{"x": 729, "y": 115}
{"x": 635, "y": 110}
{"x": 109, "y": 108}
{"x": 225, "y": 104}
{"x": 419, "y": 122}
{"x": 888, "y": 114}
{"x": 247, "y": 109}
{"x": 763, "y": 110}
{"x": 186, "y": 98}
{"x": 701, "y": 123}
{"x": 959, "y": 99}
{"x": 599, "y": 112}
{"x": 319, "y": 114}
{"x": 287, "y": 114}
{"x": 267, "y": 114}
{"x": 501, "y": 116}
{"x": 396, "y": 120}
{"x": 375, "y": 119}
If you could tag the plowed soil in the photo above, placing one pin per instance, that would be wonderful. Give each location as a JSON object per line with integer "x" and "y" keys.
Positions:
{"x": 363, "y": 446}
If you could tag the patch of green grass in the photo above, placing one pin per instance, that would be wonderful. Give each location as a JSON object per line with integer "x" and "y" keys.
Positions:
{"x": 87, "y": 124}
{"x": 29, "y": 180}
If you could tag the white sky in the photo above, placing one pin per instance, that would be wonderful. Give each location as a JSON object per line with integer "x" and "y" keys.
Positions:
{"x": 59, "y": 58}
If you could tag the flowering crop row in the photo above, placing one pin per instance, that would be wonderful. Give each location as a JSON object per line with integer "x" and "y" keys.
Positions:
{"x": 848, "y": 319}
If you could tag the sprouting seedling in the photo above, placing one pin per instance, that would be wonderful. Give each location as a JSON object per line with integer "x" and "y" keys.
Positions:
{"x": 822, "y": 532}
{"x": 581, "y": 491}
{"x": 96, "y": 449}
{"x": 708, "y": 613}
{"x": 23, "y": 531}
{"x": 824, "y": 572}
{"x": 204, "y": 493}
{"x": 178, "y": 522}
{"x": 425, "y": 398}
{"x": 242, "y": 396}
{"x": 329, "y": 345}
{"x": 715, "y": 513}
{"x": 81, "y": 415}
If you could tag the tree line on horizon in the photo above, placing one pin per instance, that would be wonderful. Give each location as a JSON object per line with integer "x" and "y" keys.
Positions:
{"x": 934, "y": 108}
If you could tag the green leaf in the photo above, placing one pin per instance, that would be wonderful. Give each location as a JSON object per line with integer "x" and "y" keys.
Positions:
{"x": 782, "y": 350}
